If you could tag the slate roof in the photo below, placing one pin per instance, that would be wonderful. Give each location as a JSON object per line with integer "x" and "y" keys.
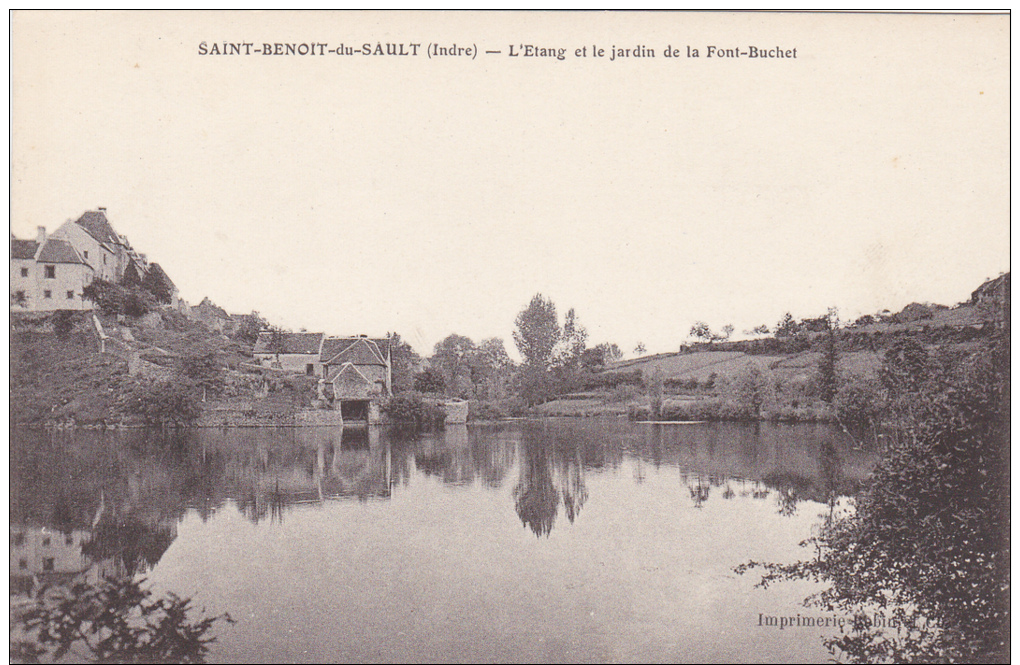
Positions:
{"x": 371, "y": 353}
{"x": 58, "y": 251}
{"x": 97, "y": 226}
{"x": 23, "y": 249}
{"x": 348, "y": 373}
{"x": 303, "y": 343}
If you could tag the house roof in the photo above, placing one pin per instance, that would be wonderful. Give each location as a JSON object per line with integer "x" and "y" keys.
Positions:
{"x": 95, "y": 222}
{"x": 303, "y": 343}
{"x": 23, "y": 249}
{"x": 347, "y": 373}
{"x": 336, "y": 350}
{"x": 55, "y": 250}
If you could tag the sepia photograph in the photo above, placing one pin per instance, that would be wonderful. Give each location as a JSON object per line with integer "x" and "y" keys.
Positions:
{"x": 509, "y": 336}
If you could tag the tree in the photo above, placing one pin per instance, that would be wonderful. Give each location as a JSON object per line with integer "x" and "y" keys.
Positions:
{"x": 452, "y": 357}
{"x": 158, "y": 284}
{"x": 827, "y": 380}
{"x": 567, "y": 354}
{"x": 403, "y": 361}
{"x": 573, "y": 341}
{"x": 277, "y": 341}
{"x": 700, "y": 330}
{"x": 492, "y": 369}
{"x": 430, "y": 381}
{"x": 250, "y": 327}
{"x": 928, "y": 537}
{"x": 536, "y": 336}
{"x": 758, "y": 331}
{"x": 727, "y": 330}
{"x": 639, "y": 349}
{"x": 601, "y": 355}
{"x": 537, "y": 332}
{"x": 786, "y": 327}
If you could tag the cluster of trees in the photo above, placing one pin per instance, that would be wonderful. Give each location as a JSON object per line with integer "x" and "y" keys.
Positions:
{"x": 928, "y": 538}
{"x": 555, "y": 358}
{"x": 133, "y": 295}
{"x": 461, "y": 368}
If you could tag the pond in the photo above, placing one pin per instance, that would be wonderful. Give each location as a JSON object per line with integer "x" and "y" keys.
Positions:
{"x": 585, "y": 540}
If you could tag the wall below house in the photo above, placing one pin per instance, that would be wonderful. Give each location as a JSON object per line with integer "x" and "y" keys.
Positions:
{"x": 233, "y": 417}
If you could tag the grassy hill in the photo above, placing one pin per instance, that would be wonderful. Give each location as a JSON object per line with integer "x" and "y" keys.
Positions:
{"x": 60, "y": 377}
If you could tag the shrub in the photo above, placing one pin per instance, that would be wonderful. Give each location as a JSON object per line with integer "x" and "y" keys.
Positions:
{"x": 117, "y": 620}
{"x": 479, "y": 410}
{"x": 613, "y": 379}
{"x": 412, "y": 408}
{"x": 623, "y": 393}
{"x": 430, "y": 381}
{"x": 928, "y": 539}
{"x": 859, "y": 403}
{"x": 163, "y": 403}
{"x": 63, "y": 323}
{"x": 112, "y": 298}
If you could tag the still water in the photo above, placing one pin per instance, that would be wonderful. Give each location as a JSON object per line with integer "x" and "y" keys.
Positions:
{"x": 558, "y": 540}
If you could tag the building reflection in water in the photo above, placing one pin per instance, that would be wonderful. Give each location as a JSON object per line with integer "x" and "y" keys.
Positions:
{"x": 116, "y": 498}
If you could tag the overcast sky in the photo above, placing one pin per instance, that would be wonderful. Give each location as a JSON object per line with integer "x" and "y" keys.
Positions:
{"x": 357, "y": 194}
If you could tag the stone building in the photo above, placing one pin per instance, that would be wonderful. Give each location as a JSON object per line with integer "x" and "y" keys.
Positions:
{"x": 77, "y": 253}
{"x": 291, "y": 352}
{"x": 48, "y": 274}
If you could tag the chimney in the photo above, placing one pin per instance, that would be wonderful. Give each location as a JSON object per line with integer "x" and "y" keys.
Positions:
{"x": 40, "y": 234}
{"x": 102, "y": 209}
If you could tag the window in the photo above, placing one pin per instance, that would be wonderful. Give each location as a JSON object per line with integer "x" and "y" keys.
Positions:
{"x": 69, "y": 539}
{"x": 19, "y": 296}
{"x": 86, "y": 252}
{"x": 23, "y": 564}
{"x": 46, "y": 541}
{"x": 104, "y": 259}
{"x": 47, "y": 294}
{"x": 70, "y": 295}
{"x": 309, "y": 369}
{"x": 47, "y": 564}
{"x": 51, "y": 272}
{"x": 24, "y": 272}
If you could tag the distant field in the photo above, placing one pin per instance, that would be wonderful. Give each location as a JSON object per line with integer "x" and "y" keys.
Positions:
{"x": 730, "y": 364}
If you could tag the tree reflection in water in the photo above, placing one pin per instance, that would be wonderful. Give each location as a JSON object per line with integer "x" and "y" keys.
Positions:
{"x": 551, "y": 471}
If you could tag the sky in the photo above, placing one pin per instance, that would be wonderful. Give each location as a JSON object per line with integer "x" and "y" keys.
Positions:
{"x": 435, "y": 195}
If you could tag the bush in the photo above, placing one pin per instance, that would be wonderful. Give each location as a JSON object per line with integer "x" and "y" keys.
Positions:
{"x": 612, "y": 379}
{"x": 412, "y": 408}
{"x": 63, "y": 323}
{"x": 478, "y": 410}
{"x": 163, "y": 404}
{"x": 112, "y": 299}
{"x": 623, "y": 393}
{"x": 928, "y": 539}
{"x": 859, "y": 403}
{"x": 430, "y": 381}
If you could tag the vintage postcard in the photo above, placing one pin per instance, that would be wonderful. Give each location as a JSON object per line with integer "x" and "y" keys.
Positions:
{"x": 509, "y": 336}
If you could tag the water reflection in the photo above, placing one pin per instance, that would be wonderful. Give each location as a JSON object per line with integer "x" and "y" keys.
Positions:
{"x": 122, "y": 493}
{"x": 89, "y": 506}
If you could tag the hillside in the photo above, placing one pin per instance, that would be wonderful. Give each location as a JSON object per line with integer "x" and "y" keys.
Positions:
{"x": 60, "y": 377}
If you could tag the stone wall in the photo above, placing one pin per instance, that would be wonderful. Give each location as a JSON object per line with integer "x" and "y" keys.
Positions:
{"x": 456, "y": 411}
{"x": 245, "y": 417}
